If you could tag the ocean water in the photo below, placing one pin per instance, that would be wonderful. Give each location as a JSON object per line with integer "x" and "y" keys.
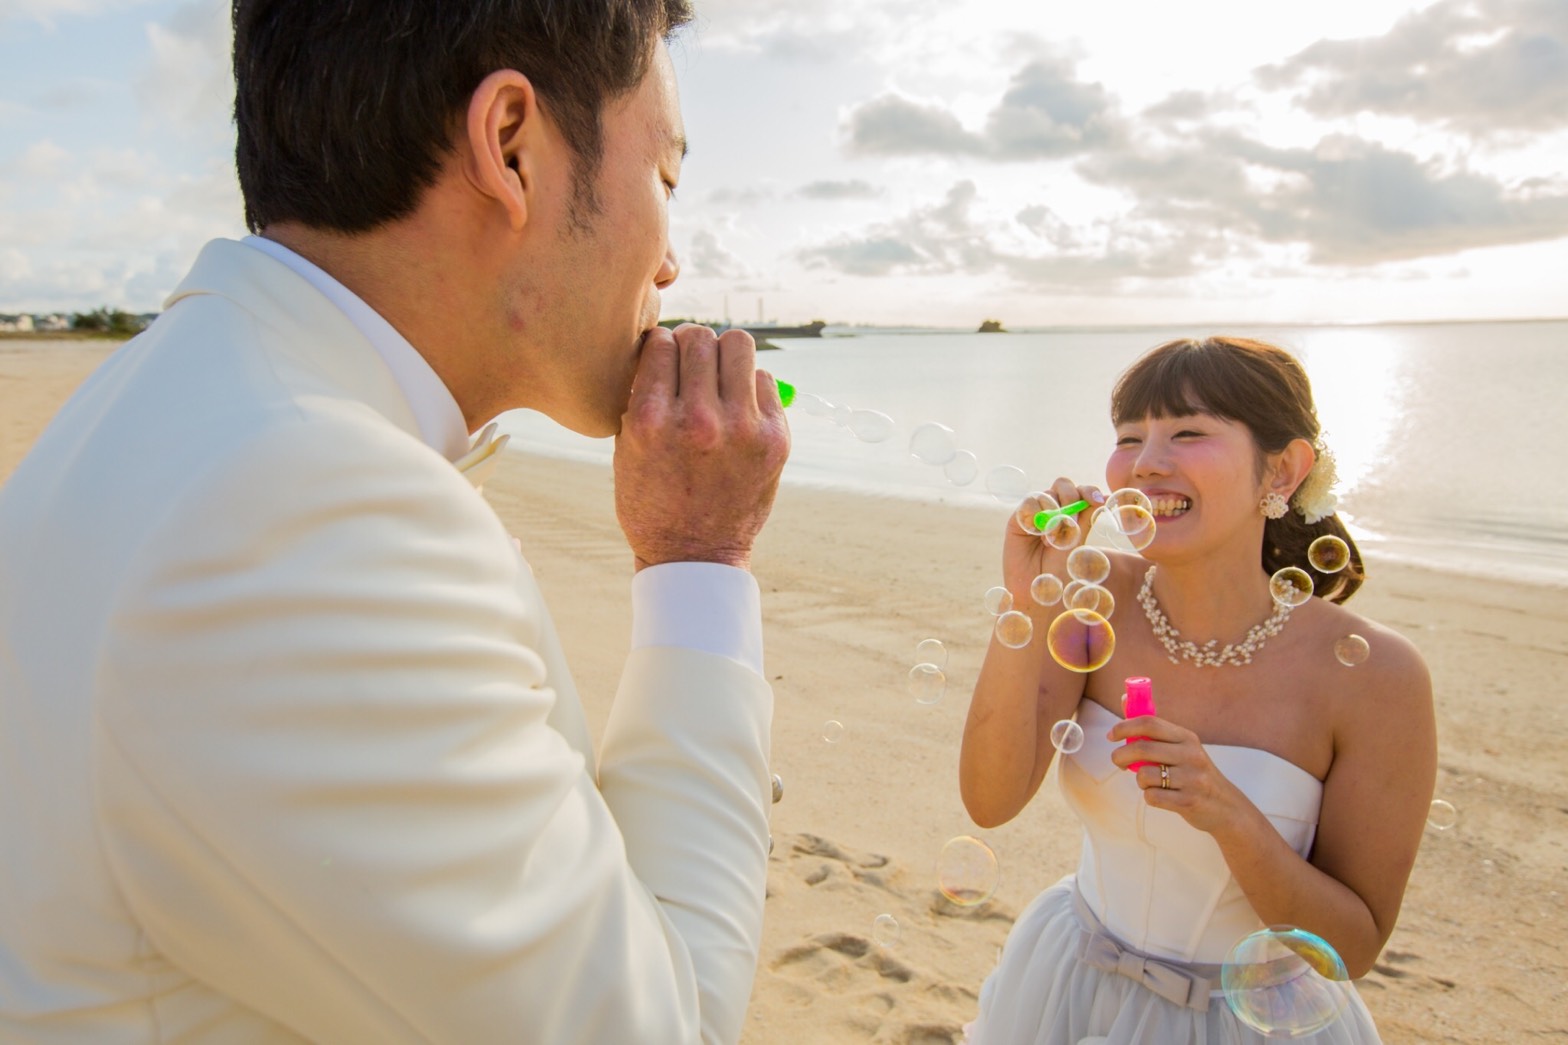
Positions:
{"x": 1450, "y": 437}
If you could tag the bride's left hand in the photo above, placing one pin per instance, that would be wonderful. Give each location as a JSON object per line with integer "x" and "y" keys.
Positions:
{"x": 1193, "y": 786}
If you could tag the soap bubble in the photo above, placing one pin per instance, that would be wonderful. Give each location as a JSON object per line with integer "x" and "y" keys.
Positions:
{"x": 1328, "y": 554}
{"x": 1046, "y": 589}
{"x": 1285, "y": 982}
{"x": 832, "y": 730}
{"x": 1291, "y": 586}
{"x": 1129, "y": 527}
{"x": 1441, "y": 815}
{"x": 931, "y": 651}
{"x": 1352, "y": 650}
{"x": 1081, "y": 596}
{"x": 885, "y": 930}
{"x": 927, "y": 683}
{"x": 1062, "y": 532}
{"x": 1089, "y": 565}
{"x": 966, "y": 871}
{"x": 1007, "y": 483}
{"x": 1014, "y": 629}
{"x": 841, "y": 415}
{"x": 1081, "y": 640}
{"x": 963, "y": 469}
{"x": 932, "y": 443}
{"x": 813, "y": 404}
{"x": 870, "y": 426}
{"x": 998, "y": 600}
{"x": 1129, "y": 496}
{"x": 1028, "y": 513}
{"x": 1067, "y": 736}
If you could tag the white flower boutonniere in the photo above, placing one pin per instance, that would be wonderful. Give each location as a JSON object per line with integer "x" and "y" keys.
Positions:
{"x": 1315, "y": 498}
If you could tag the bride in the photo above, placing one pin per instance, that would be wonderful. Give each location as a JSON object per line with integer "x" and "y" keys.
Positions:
{"x": 1276, "y": 784}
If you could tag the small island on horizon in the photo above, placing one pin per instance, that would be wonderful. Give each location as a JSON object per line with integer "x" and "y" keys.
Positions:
{"x": 991, "y": 326}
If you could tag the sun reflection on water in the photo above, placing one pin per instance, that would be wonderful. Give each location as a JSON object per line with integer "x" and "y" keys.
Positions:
{"x": 1358, "y": 382}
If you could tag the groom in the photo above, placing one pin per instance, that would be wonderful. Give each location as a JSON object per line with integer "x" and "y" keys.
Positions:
{"x": 288, "y": 748}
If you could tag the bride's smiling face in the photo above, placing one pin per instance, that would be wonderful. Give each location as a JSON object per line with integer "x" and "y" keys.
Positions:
{"x": 1200, "y": 471}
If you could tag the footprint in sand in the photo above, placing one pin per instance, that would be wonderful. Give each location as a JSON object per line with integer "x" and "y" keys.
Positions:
{"x": 881, "y": 994}
{"x": 1387, "y": 972}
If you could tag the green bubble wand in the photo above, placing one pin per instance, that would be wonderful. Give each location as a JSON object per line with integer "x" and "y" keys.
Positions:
{"x": 1043, "y": 519}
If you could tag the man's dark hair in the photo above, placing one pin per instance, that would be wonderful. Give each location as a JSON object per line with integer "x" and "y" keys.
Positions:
{"x": 346, "y": 108}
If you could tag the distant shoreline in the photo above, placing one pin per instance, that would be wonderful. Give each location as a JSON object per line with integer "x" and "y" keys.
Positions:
{"x": 61, "y": 335}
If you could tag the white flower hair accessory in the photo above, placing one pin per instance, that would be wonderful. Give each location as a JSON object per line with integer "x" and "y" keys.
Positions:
{"x": 1315, "y": 498}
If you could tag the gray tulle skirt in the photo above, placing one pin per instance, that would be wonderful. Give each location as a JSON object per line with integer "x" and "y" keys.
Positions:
{"x": 1046, "y": 990}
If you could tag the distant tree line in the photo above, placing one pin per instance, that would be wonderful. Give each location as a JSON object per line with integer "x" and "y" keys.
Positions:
{"x": 106, "y": 320}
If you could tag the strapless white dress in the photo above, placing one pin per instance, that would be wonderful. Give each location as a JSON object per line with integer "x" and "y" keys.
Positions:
{"x": 1127, "y": 950}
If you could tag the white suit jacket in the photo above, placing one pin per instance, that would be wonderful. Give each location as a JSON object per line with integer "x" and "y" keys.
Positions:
{"x": 288, "y": 750}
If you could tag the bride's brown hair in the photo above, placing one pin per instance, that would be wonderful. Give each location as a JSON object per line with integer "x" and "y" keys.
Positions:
{"x": 1263, "y": 387}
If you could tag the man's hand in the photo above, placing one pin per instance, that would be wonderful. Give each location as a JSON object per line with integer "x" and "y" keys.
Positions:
{"x": 702, "y": 444}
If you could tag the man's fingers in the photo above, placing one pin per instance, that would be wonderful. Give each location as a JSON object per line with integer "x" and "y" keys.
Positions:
{"x": 767, "y": 390}
{"x": 658, "y": 369}
{"x": 699, "y": 353}
{"x": 737, "y": 364}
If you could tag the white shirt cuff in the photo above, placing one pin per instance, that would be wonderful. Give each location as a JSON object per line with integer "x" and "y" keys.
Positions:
{"x": 702, "y": 606}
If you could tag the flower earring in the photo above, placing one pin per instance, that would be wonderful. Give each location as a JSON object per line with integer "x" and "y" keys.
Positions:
{"x": 1273, "y": 506}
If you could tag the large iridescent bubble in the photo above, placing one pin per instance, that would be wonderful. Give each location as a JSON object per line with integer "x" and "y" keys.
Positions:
{"x": 1285, "y": 982}
{"x": 966, "y": 871}
{"x": 1081, "y": 640}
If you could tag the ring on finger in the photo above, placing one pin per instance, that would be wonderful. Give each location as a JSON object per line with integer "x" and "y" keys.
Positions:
{"x": 1165, "y": 777}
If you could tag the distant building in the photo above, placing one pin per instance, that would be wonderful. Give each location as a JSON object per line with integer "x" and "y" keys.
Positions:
{"x": 16, "y": 324}
{"x": 54, "y": 323}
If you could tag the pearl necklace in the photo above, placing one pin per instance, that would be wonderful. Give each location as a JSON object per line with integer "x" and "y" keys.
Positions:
{"x": 1206, "y": 656}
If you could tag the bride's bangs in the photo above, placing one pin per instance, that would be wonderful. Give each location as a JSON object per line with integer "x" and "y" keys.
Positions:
{"x": 1164, "y": 383}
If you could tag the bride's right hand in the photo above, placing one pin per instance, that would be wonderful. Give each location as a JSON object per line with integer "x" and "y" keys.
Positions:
{"x": 1026, "y": 554}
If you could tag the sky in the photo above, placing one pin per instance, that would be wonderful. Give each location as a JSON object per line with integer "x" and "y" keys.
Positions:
{"x": 927, "y": 163}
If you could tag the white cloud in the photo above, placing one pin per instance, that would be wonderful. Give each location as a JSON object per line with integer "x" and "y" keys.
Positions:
{"x": 41, "y": 161}
{"x": 744, "y": 196}
{"x": 121, "y": 231}
{"x": 895, "y": 126}
{"x": 709, "y": 259}
{"x": 1480, "y": 67}
{"x": 851, "y": 189}
{"x": 14, "y": 265}
{"x": 786, "y": 30}
{"x": 1046, "y": 111}
{"x": 188, "y": 80}
{"x": 1348, "y": 201}
{"x": 46, "y": 11}
{"x": 965, "y": 235}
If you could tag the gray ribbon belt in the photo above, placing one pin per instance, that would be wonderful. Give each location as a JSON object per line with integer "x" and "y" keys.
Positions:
{"x": 1177, "y": 982}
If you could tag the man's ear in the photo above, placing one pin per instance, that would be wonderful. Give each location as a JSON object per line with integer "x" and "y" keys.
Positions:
{"x": 502, "y": 129}
{"x": 1291, "y": 467}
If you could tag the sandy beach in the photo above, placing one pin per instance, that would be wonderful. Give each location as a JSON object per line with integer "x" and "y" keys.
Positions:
{"x": 851, "y": 584}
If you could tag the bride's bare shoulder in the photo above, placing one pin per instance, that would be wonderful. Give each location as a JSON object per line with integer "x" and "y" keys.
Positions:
{"x": 1375, "y": 670}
